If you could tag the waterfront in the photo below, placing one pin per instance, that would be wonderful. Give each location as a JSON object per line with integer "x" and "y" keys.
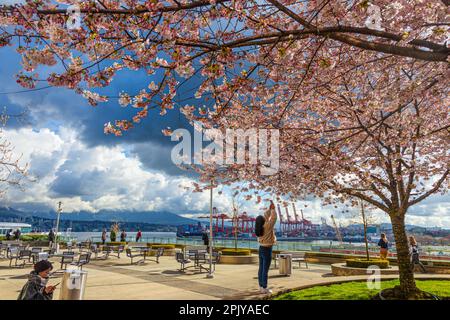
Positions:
{"x": 313, "y": 245}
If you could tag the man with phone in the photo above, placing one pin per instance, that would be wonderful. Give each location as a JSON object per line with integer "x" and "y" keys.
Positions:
{"x": 36, "y": 287}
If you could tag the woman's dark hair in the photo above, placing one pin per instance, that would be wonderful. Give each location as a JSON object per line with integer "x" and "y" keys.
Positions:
{"x": 42, "y": 266}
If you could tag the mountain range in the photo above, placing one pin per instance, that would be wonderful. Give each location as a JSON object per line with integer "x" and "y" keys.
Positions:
{"x": 152, "y": 217}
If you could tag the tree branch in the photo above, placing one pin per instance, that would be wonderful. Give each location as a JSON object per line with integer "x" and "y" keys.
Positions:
{"x": 431, "y": 191}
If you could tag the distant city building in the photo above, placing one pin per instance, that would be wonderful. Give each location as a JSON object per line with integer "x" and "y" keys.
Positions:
{"x": 6, "y": 226}
{"x": 433, "y": 229}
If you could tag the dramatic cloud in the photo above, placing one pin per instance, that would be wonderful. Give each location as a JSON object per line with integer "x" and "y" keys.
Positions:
{"x": 55, "y": 107}
{"x": 96, "y": 178}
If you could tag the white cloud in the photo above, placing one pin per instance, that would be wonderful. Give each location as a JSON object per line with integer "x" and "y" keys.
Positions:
{"x": 103, "y": 177}
{"x": 100, "y": 177}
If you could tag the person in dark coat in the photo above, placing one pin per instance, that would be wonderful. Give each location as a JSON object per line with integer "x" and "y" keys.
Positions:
{"x": 8, "y": 234}
{"x": 36, "y": 287}
{"x": 205, "y": 239}
{"x": 384, "y": 247}
{"x": 51, "y": 238}
{"x": 414, "y": 253}
{"x": 17, "y": 235}
{"x": 123, "y": 236}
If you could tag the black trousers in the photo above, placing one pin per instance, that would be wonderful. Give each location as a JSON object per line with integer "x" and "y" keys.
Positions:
{"x": 415, "y": 260}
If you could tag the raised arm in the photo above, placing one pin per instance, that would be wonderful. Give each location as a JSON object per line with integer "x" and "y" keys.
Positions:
{"x": 273, "y": 215}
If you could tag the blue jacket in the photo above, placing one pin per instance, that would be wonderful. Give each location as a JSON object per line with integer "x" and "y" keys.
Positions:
{"x": 383, "y": 244}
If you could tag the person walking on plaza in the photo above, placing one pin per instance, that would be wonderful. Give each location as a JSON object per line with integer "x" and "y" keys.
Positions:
{"x": 36, "y": 287}
{"x": 205, "y": 239}
{"x": 138, "y": 235}
{"x": 17, "y": 234}
{"x": 9, "y": 234}
{"x": 104, "y": 236}
{"x": 123, "y": 236}
{"x": 266, "y": 238}
{"x": 384, "y": 247}
{"x": 51, "y": 238}
{"x": 414, "y": 253}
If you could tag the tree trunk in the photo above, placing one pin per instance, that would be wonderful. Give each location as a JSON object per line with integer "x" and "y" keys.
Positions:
{"x": 407, "y": 283}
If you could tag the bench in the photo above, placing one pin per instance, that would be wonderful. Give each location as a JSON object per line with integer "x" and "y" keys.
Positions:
{"x": 114, "y": 250}
{"x": 158, "y": 253}
{"x": 22, "y": 255}
{"x": 179, "y": 256}
{"x": 133, "y": 255}
{"x": 83, "y": 259}
{"x": 296, "y": 257}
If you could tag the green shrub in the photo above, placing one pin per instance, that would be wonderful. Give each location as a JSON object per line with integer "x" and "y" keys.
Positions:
{"x": 364, "y": 263}
{"x": 238, "y": 252}
{"x": 111, "y": 243}
{"x": 2, "y": 238}
{"x": 115, "y": 243}
{"x": 33, "y": 237}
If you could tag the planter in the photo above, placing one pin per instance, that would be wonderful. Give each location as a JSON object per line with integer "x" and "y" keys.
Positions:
{"x": 252, "y": 259}
{"x": 341, "y": 269}
{"x": 234, "y": 252}
{"x": 39, "y": 243}
{"x": 363, "y": 263}
{"x": 392, "y": 294}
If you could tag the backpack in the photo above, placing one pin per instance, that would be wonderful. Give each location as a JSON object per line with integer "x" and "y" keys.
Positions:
{"x": 259, "y": 224}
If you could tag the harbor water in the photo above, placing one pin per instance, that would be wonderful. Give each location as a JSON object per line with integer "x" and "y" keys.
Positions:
{"x": 313, "y": 245}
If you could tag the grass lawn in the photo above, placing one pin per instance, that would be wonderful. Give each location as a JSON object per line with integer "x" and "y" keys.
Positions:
{"x": 358, "y": 290}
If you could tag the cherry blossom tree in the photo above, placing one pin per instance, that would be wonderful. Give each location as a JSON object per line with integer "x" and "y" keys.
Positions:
{"x": 12, "y": 172}
{"x": 377, "y": 135}
{"x": 357, "y": 88}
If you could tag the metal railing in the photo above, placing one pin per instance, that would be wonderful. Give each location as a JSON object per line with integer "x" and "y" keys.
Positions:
{"x": 281, "y": 245}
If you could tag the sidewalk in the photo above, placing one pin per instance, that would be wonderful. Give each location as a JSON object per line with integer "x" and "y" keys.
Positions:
{"x": 116, "y": 279}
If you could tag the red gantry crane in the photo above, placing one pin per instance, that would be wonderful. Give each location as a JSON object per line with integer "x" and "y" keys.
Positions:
{"x": 240, "y": 223}
{"x": 290, "y": 225}
{"x": 293, "y": 226}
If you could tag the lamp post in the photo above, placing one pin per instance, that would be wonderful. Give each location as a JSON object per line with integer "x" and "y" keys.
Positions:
{"x": 210, "y": 273}
{"x": 57, "y": 224}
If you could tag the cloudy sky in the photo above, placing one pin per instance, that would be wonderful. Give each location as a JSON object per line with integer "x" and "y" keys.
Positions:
{"x": 61, "y": 138}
